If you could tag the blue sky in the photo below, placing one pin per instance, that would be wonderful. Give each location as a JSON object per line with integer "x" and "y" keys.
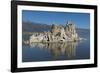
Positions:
{"x": 81, "y": 20}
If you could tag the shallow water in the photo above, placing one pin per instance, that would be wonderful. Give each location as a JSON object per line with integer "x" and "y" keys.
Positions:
{"x": 56, "y": 51}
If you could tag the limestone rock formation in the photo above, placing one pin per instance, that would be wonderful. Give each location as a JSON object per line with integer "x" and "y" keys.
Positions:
{"x": 57, "y": 34}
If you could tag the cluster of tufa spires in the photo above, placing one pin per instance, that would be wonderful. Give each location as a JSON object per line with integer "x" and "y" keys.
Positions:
{"x": 57, "y": 34}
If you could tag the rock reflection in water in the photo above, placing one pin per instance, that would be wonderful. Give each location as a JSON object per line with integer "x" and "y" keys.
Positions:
{"x": 68, "y": 50}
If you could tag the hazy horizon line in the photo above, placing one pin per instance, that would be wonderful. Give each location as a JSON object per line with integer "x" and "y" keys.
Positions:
{"x": 53, "y": 23}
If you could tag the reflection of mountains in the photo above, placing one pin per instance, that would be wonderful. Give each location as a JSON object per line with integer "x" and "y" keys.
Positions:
{"x": 68, "y": 50}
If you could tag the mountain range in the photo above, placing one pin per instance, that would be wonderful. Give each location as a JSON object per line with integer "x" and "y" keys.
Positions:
{"x": 41, "y": 27}
{"x": 35, "y": 27}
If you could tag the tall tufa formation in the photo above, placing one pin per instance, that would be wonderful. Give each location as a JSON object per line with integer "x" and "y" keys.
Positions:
{"x": 71, "y": 31}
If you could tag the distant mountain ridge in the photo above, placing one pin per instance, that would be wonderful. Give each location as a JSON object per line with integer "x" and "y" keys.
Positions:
{"x": 35, "y": 27}
{"x": 41, "y": 27}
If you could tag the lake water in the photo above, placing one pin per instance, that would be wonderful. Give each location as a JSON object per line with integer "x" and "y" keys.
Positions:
{"x": 57, "y": 51}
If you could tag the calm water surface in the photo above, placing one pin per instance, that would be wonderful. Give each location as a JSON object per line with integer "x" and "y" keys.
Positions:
{"x": 57, "y": 51}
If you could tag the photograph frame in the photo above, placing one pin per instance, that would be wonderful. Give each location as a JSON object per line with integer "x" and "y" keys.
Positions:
{"x": 14, "y": 9}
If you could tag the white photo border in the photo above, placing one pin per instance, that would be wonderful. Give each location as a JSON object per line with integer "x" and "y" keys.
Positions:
{"x": 52, "y": 63}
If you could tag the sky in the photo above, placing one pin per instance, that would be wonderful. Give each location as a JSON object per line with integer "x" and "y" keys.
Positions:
{"x": 81, "y": 20}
